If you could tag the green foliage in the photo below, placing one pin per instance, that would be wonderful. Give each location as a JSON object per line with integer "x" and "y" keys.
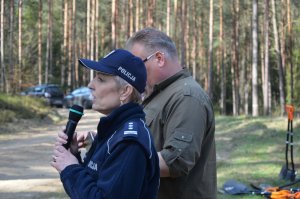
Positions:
{"x": 251, "y": 150}
{"x": 21, "y": 107}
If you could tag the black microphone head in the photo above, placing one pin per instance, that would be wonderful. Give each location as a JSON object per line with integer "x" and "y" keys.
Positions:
{"x": 75, "y": 113}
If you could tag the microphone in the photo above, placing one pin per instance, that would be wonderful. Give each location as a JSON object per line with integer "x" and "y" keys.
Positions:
{"x": 74, "y": 116}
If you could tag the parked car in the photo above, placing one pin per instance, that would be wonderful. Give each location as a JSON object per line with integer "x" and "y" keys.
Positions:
{"x": 81, "y": 96}
{"x": 50, "y": 92}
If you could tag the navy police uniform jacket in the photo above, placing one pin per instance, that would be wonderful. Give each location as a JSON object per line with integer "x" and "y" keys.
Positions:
{"x": 122, "y": 162}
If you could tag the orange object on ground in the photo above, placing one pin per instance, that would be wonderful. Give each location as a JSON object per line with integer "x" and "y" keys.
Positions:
{"x": 290, "y": 109}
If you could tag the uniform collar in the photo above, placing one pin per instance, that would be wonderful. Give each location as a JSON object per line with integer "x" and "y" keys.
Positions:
{"x": 109, "y": 124}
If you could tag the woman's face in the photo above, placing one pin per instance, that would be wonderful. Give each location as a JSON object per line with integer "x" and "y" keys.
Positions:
{"x": 106, "y": 93}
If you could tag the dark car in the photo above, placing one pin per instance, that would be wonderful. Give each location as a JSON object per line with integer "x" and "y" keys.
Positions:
{"x": 51, "y": 92}
{"x": 81, "y": 96}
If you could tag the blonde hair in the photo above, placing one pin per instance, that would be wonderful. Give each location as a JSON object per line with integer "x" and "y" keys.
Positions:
{"x": 135, "y": 95}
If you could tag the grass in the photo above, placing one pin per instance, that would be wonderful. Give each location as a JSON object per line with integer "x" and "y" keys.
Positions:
{"x": 14, "y": 108}
{"x": 252, "y": 150}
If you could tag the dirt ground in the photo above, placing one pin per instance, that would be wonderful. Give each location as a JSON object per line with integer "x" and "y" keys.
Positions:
{"x": 25, "y": 153}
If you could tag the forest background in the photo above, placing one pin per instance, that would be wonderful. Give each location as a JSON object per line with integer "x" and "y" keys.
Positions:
{"x": 244, "y": 53}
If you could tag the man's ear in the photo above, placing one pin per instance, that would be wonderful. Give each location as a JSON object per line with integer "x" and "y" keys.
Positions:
{"x": 125, "y": 92}
{"x": 160, "y": 57}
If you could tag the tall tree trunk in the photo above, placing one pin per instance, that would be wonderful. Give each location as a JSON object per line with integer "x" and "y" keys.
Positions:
{"x": 137, "y": 15}
{"x": 113, "y": 24}
{"x": 150, "y": 13}
{"x": 235, "y": 60}
{"x": 48, "y": 48}
{"x": 279, "y": 60}
{"x": 88, "y": 34}
{"x": 175, "y": 23}
{"x": 130, "y": 18}
{"x": 11, "y": 47}
{"x": 210, "y": 50}
{"x": 70, "y": 41}
{"x": 266, "y": 64}
{"x": 194, "y": 39}
{"x": 254, "y": 58}
{"x": 2, "y": 81}
{"x": 19, "y": 76}
{"x": 65, "y": 44}
{"x": 290, "y": 40}
{"x": 74, "y": 63}
{"x": 97, "y": 31}
{"x": 283, "y": 33}
{"x": 221, "y": 62}
{"x": 40, "y": 41}
{"x": 117, "y": 24}
{"x": 51, "y": 39}
{"x": 92, "y": 24}
{"x": 183, "y": 35}
{"x": 248, "y": 77}
{"x": 168, "y": 16}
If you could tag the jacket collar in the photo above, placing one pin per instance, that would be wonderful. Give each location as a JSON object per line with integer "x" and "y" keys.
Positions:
{"x": 109, "y": 124}
{"x": 164, "y": 84}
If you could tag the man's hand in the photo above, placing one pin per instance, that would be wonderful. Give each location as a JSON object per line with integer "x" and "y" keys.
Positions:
{"x": 164, "y": 169}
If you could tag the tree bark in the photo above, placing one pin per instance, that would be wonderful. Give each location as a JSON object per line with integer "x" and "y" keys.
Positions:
{"x": 97, "y": 30}
{"x": 74, "y": 63}
{"x": 48, "y": 65}
{"x": 235, "y": 58}
{"x": 183, "y": 35}
{"x": 221, "y": 62}
{"x": 255, "y": 58}
{"x": 51, "y": 39}
{"x": 69, "y": 46}
{"x": 130, "y": 18}
{"x": 210, "y": 50}
{"x": 283, "y": 34}
{"x": 194, "y": 39}
{"x": 168, "y": 17}
{"x": 290, "y": 40}
{"x": 2, "y": 81}
{"x": 175, "y": 23}
{"x": 266, "y": 63}
{"x": 150, "y": 13}
{"x": 113, "y": 24}
{"x": 137, "y": 15}
{"x": 279, "y": 60}
{"x": 40, "y": 18}
{"x": 11, "y": 47}
{"x": 19, "y": 76}
{"x": 65, "y": 44}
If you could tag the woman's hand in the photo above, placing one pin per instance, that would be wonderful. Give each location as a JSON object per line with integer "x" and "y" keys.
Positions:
{"x": 85, "y": 139}
{"x": 62, "y": 158}
{"x": 62, "y": 139}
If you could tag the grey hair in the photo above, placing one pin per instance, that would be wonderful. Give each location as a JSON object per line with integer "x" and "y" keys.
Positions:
{"x": 135, "y": 96}
{"x": 153, "y": 40}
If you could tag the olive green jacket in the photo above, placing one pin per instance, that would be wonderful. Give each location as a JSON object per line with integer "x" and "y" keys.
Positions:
{"x": 181, "y": 118}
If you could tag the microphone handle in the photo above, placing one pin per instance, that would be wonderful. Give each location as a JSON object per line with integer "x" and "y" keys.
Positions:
{"x": 70, "y": 129}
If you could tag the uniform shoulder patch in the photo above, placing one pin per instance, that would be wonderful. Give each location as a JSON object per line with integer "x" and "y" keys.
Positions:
{"x": 130, "y": 129}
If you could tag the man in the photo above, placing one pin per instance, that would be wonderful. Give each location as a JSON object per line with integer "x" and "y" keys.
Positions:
{"x": 180, "y": 116}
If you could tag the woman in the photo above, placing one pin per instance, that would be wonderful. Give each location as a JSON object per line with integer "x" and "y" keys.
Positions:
{"x": 122, "y": 161}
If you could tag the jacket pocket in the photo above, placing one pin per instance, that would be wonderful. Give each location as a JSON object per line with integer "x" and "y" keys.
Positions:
{"x": 179, "y": 142}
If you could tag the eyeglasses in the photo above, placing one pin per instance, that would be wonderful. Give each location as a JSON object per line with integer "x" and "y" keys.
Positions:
{"x": 149, "y": 57}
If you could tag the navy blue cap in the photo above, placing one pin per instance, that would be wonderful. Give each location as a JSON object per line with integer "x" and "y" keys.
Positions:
{"x": 123, "y": 64}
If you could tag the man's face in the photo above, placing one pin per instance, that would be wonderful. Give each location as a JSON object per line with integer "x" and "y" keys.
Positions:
{"x": 151, "y": 66}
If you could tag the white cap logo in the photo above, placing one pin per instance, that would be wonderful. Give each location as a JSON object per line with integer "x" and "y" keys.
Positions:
{"x": 126, "y": 73}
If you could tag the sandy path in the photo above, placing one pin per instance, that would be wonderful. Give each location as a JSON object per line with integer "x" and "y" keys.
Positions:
{"x": 25, "y": 154}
